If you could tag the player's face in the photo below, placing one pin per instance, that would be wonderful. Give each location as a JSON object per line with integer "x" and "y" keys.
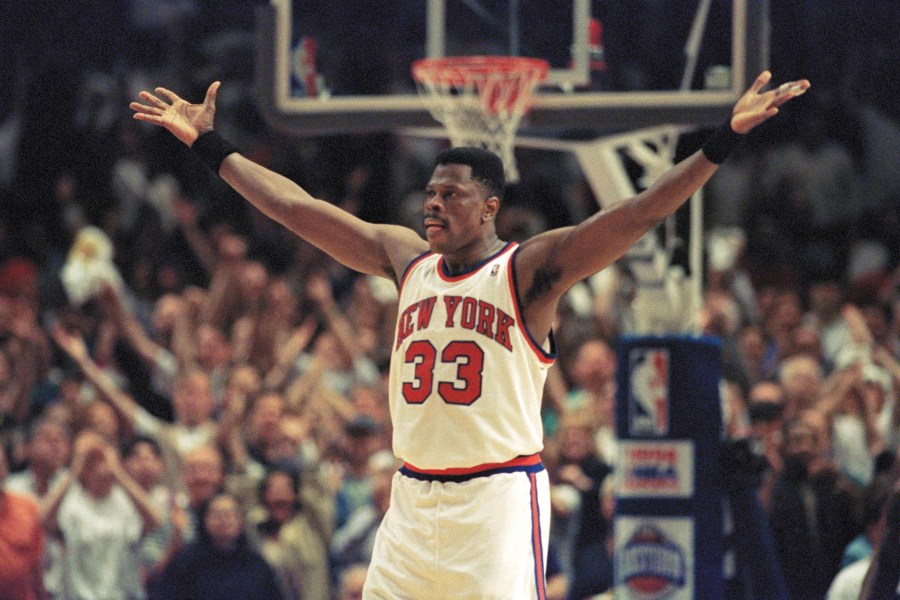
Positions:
{"x": 454, "y": 206}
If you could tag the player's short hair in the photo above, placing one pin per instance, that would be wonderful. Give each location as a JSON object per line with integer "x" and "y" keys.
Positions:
{"x": 487, "y": 168}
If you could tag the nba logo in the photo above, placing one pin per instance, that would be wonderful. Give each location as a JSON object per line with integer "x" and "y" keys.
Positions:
{"x": 648, "y": 392}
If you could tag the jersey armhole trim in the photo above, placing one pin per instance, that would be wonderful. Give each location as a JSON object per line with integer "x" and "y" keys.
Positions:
{"x": 410, "y": 266}
{"x": 548, "y": 357}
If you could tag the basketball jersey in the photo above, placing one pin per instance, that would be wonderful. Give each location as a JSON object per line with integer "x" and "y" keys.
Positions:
{"x": 466, "y": 378}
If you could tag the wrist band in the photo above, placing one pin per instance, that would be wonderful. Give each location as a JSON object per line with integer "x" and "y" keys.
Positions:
{"x": 721, "y": 143}
{"x": 211, "y": 149}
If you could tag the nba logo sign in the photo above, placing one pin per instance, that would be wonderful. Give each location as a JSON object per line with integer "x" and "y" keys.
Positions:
{"x": 648, "y": 392}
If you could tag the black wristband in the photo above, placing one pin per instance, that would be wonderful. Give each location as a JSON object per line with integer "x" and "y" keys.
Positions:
{"x": 721, "y": 143}
{"x": 211, "y": 149}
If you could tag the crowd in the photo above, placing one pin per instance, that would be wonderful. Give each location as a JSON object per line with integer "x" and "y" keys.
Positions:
{"x": 194, "y": 405}
{"x": 227, "y": 434}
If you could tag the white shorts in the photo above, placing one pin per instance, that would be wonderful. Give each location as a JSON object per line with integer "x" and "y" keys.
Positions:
{"x": 463, "y": 536}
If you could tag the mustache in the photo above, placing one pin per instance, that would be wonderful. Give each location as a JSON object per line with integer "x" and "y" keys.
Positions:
{"x": 434, "y": 217}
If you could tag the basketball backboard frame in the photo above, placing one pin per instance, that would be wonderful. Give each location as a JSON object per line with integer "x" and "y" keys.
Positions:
{"x": 626, "y": 110}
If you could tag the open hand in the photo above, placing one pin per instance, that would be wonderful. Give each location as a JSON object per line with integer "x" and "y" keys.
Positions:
{"x": 184, "y": 120}
{"x": 756, "y": 106}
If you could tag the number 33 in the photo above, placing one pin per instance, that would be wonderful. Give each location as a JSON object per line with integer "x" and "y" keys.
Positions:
{"x": 469, "y": 360}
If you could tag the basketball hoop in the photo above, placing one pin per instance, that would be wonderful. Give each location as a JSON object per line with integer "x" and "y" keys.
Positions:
{"x": 480, "y": 99}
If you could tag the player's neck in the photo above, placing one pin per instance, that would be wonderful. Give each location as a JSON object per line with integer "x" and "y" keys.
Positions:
{"x": 462, "y": 262}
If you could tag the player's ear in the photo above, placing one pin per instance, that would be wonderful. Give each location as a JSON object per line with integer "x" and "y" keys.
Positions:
{"x": 491, "y": 206}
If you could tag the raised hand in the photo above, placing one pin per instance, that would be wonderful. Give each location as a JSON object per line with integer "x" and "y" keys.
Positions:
{"x": 319, "y": 290}
{"x": 88, "y": 444}
{"x": 184, "y": 120}
{"x": 755, "y": 106}
{"x": 71, "y": 343}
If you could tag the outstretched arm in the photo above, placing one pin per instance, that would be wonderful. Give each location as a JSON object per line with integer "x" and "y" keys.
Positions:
{"x": 550, "y": 263}
{"x": 142, "y": 502}
{"x": 128, "y": 324}
{"x": 383, "y": 250}
{"x": 87, "y": 443}
{"x": 73, "y": 345}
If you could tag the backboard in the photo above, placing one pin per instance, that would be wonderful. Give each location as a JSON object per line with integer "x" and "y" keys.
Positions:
{"x": 344, "y": 67}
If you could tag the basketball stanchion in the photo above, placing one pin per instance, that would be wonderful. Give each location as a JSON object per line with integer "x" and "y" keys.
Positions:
{"x": 480, "y": 100}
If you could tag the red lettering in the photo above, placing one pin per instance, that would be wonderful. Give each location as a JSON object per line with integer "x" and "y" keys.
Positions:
{"x": 426, "y": 307}
{"x": 485, "y": 319}
{"x": 469, "y": 313}
{"x": 653, "y": 454}
{"x": 501, "y": 335}
{"x": 451, "y": 303}
{"x": 404, "y": 323}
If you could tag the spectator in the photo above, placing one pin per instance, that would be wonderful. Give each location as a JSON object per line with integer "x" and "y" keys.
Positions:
{"x": 220, "y": 563}
{"x": 883, "y": 578}
{"x": 824, "y": 316}
{"x": 874, "y": 501}
{"x": 143, "y": 460}
{"x": 858, "y": 440}
{"x": 24, "y": 347}
{"x": 580, "y": 469}
{"x": 261, "y": 432}
{"x": 343, "y": 358}
{"x": 167, "y": 315}
{"x": 801, "y": 378}
{"x": 751, "y": 353}
{"x": 779, "y": 322}
{"x": 813, "y": 514}
{"x": 352, "y": 580}
{"x": 202, "y": 476}
{"x": 294, "y": 537}
{"x": 101, "y": 514}
{"x": 47, "y": 450}
{"x": 21, "y": 544}
{"x": 766, "y": 411}
{"x": 848, "y": 583}
{"x": 594, "y": 389}
{"x": 192, "y": 402}
{"x": 352, "y": 542}
{"x": 356, "y": 490}
{"x": 557, "y": 578}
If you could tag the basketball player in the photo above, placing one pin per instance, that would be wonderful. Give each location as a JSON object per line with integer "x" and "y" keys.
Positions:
{"x": 469, "y": 510}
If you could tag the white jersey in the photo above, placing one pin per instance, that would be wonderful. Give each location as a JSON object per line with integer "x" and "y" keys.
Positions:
{"x": 466, "y": 377}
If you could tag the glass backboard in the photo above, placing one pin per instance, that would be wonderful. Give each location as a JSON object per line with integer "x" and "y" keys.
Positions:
{"x": 341, "y": 67}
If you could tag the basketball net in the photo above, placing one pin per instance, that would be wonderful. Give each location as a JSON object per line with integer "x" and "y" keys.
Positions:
{"x": 480, "y": 100}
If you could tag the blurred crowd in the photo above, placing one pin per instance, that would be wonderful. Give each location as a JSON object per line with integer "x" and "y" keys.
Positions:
{"x": 193, "y": 401}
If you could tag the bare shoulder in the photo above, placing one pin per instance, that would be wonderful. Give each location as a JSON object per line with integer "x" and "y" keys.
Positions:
{"x": 401, "y": 245}
{"x": 537, "y": 270}
{"x": 541, "y": 280}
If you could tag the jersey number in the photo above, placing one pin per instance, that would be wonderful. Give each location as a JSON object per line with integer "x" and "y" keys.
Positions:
{"x": 469, "y": 360}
